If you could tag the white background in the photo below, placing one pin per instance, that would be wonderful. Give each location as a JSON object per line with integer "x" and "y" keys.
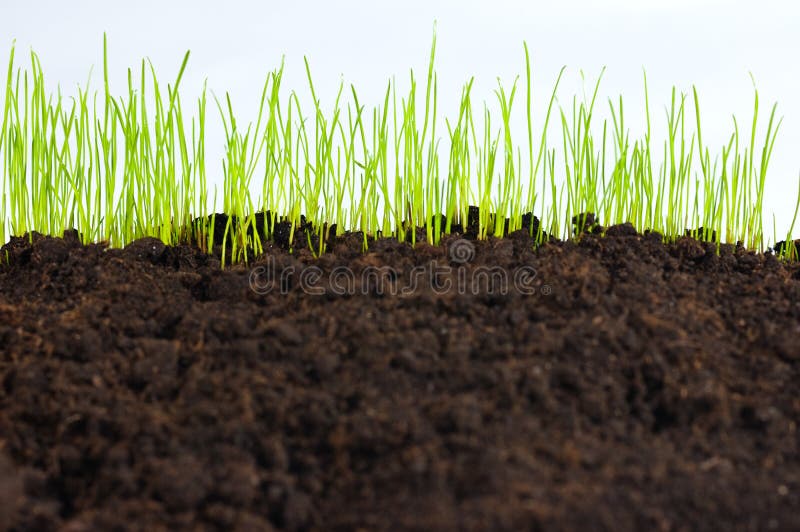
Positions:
{"x": 712, "y": 44}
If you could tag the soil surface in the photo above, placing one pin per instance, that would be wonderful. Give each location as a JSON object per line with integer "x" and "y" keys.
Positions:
{"x": 615, "y": 383}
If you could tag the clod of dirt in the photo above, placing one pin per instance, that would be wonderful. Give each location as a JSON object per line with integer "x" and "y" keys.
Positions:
{"x": 621, "y": 230}
{"x": 149, "y": 249}
{"x": 586, "y": 222}
{"x": 784, "y": 247}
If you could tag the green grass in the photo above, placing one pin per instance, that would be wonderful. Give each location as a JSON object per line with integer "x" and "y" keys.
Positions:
{"x": 119, "y": 167}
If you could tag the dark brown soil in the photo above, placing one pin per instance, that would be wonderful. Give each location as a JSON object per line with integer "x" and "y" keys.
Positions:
{"x": 626, "y": 385}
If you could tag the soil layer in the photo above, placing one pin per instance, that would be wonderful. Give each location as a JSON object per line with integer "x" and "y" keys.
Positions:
{"x": 615, "y": 383}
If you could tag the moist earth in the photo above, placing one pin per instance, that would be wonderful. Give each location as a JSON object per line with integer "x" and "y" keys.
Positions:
{"x": 612, "y": 383}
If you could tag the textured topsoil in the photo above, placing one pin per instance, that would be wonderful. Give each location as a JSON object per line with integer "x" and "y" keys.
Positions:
{"x": 628, "y": 384}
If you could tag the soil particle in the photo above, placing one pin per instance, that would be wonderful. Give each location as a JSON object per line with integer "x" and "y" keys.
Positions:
{"x": 626, "y": 229}
{"x": 619, "y": 384}
{"x": 149, "y": 249}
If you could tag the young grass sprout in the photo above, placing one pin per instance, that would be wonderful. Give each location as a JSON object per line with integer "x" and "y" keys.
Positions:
{"x": 117, "y": 168}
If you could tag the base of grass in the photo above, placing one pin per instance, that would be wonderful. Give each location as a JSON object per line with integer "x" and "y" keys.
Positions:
{"x": 232, "y": 240}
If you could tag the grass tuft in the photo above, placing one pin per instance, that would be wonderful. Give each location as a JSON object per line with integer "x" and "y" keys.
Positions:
{"x": 117, "y": 168}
